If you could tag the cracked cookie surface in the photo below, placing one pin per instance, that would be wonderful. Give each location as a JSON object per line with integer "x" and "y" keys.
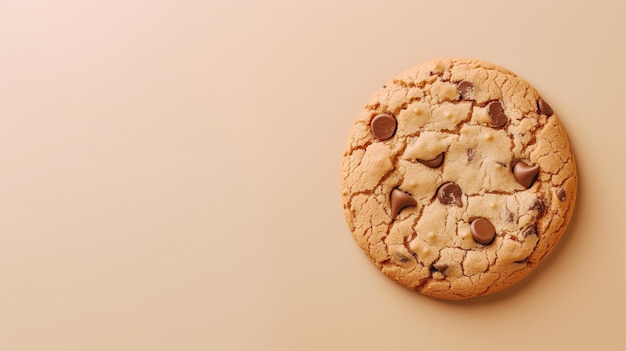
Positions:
{"x": 457, "y": 179}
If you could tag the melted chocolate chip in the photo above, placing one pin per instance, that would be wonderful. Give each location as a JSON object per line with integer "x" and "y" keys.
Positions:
{"x": 399, "y": 200}
{"x": 496, "y": 113}
{"x": 532, "y": 230}
{"x": 561, "y": 194}
{"x": 402, "y": 258}
{"x": 384, "y": 126}
{"x": 470, "y": 154}
{"x": 450, "y": 193}
{"x": 434, "y": 163}
{"x": 543, "y": 108}
{"x": 525, "y": 174}
{"x": 466, "y": 89}
{"x": 483, "y": 231}
{"x": 440, "y": 267}
{"x": 538, "y": 206}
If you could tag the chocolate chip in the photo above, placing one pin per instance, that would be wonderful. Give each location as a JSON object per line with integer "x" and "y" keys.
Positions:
{"x": 538, "y": 206}
{"x": 561, "y": 194}
{"x": 465, "y": 90}
{"x": 399, "y": 200}
{"x": 470, "y": 154}
{"x": 543, "y": 108}
{"x": 496, "y": 113}
{"x": 525, "y": 174}
{"x": 440, "y": 267}
{"x": 450, "y": 193}
{"x": 434, "y": 163}
{"x": 532, "y": 230}
{"x": 384, "y": 126}
{"x": 402, "y": 258}
{"x": 482, "y": 230}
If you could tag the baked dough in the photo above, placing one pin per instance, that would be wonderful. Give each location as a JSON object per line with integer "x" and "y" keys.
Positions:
{"x": 457, "y": 179}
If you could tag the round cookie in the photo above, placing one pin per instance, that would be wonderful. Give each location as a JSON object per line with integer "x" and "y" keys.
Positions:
{"x": 457, "y": 179}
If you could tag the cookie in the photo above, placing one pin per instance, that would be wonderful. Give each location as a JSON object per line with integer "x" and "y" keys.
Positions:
{"x": 457, "y": 179}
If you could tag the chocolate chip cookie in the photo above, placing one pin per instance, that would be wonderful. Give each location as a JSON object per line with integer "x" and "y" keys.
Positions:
{"x": 457, "y": 179}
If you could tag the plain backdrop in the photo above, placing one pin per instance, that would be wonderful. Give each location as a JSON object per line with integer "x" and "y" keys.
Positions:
{"x": 169, "y": 174}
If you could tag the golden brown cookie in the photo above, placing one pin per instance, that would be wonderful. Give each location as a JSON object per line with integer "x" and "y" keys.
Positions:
{"x": 457, "y": 179}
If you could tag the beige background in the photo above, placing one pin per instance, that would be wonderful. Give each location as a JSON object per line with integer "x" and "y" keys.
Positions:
{"x": 169, "y": 174}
